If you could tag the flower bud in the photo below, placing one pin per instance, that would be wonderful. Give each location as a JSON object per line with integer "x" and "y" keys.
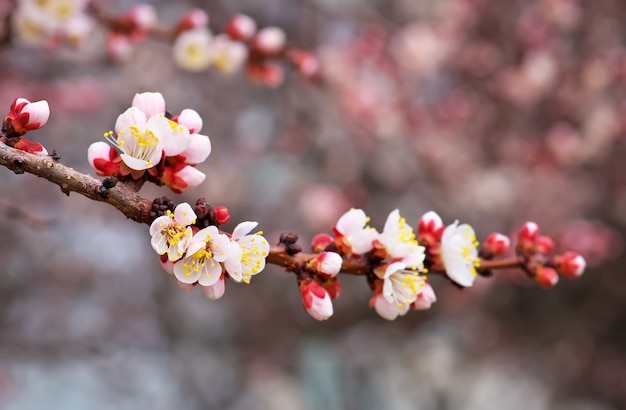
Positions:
{"x": 497, "y": 243}
{"x": 425, "y": 298}
{"x": 241, "y": 27}
{"x": 150, "y": 103}
{"x": 429, "y": 228}
{"x": 270, "y": 40}
{"x": 181, "y": 177}
{"x": 25, "y": 116}
{"x": 119, "y": 46}
{"x": 194, "y": 18}
{"x": 190, "y": 119}
{"x": 30, "y": 146}
{"x": 216, "y": 290}
{"x": 305, "y": 62}
{"x": 320, "y": 242}
{"x": 316, "y": 300}
{"x": 269, "y": 74}
{"x": 187, "y": 287}
{"x": 544, "y": 244}
{"x": 142, "y": 16}
{"x": 103, "y": 158}
{"x": 219, "y": 215}
{"x": 570, "y": 264}
{"x": 527, "y": 234}
{"x": 546, "y": 277}
{"x": 327, "y": 264}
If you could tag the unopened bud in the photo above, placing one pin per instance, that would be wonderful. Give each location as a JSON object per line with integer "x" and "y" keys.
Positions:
{"x": 25, "y": 116}
{"x": 327, "y": 264}
{"x": 546, "y": 277}
{"x": 219, "y": 215}
{"x": 320, "y": 242}
{"x": 497, "y": 243}
{"x": 270, "y": 40}
{"x": 570, "y": 264}
{"x": 544, "y": 244}
{"x": 142, "y": 17}
{"x": 269, "y": 74}
{"x": 305, "y": 62}
{"x": 194, "y": 18}
{"x": 527, "y": 234}
{"x": 429, "y": 228}
{"x": 333, "y": 287}
{"x": 241, "y": 27}
{"x": 316, "y": 300}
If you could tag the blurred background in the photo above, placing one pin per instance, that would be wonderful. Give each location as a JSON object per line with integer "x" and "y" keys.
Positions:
{"x": 492, "y": 112}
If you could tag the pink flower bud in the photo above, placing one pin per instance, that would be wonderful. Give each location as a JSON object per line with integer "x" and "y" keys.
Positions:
{"x": 219, "y": 215}
{"x": 570, "y": 264}
{"x": 305, "y": 62}
{"x": 30, "y": 146}
{"x": 544, "y": 244}
{"x": 104, "y": 159}
{"x": 187, "y": 287}
{"x": 425, "y": 298}
{"x": 546, "y": 277}
{"x": 320, "y": 242}
{"x": 268, "y": 74}
{"x": 215, "y": 291}
{"x": 142, "y": 17}
{"x": 527, "y": 234}
{"x": 430, "y": 228}
{"x": 316, "y": 300}
{"x": 241, "y": 27}
{"x": 119, "y": 46}
{"x": 150, "y": 103}
{"x": 193, "y": 19}
{"x": 25, "y": 116}
{"x": 497, "y": 243}
{"x": 327, "y": 264}
{"x": 270, "y": 40}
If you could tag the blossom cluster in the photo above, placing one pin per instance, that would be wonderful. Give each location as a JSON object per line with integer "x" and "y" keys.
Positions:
{"x": 397, "y": 258}
{"x": 23, "y": 117}
{"x": 205, "y": 257}
{"x": 49, "y": 23}
{"x": 149, "y": 144}
{"x": 196, "y": 48}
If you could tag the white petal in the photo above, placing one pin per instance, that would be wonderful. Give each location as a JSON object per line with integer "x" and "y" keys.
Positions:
{"x": 191, "y": 176}
{"x": 159, "y": 243}
{"x": 220, "y": 247}
{"x": 211, "y": 273}
{"x": 243, "y": 229}
{"x": 179, "y": 272}
{"x": 351, "y": 221}
{"x": 132, "y": 116}
{"x": 160, "y": 223}
{"x": 385, "y": 309}
{"x": 184, "y": 214}
{"x": 215, "y": 291}
{"x": 198, "y": 150}
{"x": 190, "y": 119}
{"x": 362, "y": 242}
{"x": 136, "y": 163}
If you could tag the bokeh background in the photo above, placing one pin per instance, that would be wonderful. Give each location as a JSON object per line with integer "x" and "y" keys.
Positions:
{"x": 493, "y": 112}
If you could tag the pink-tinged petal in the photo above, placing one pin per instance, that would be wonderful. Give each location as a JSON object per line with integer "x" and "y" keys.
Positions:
{"x": 190, "y": 119}
{"x": 196, "y": 243}
{"x": 176, "y": 141}
{"x": 392, "y": 223}
{"x": 176, "y": 251}
{"x": 187, "y": 287}
{"x": 425, "y": 298}
{"x": 198, "y": 150}
{"x": 150, "y": 103}
{"x": 132, "y": 116}
{"x": 191, "y": 177}
{"x": 98, "y": 150}
{"x": 210, "y": 273}
{"x": 184, "y": 214}
{"x": 136, "y": 163}
{"x": 351, "y": 221}
{"x": 243, "y": 229}
{"x": 215, "y": 291}
{"x": 160, "y": 223}
{"x": 385, "y": 309}
{"x": 159, "y": 243}
{"x": 168, "y": 266}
